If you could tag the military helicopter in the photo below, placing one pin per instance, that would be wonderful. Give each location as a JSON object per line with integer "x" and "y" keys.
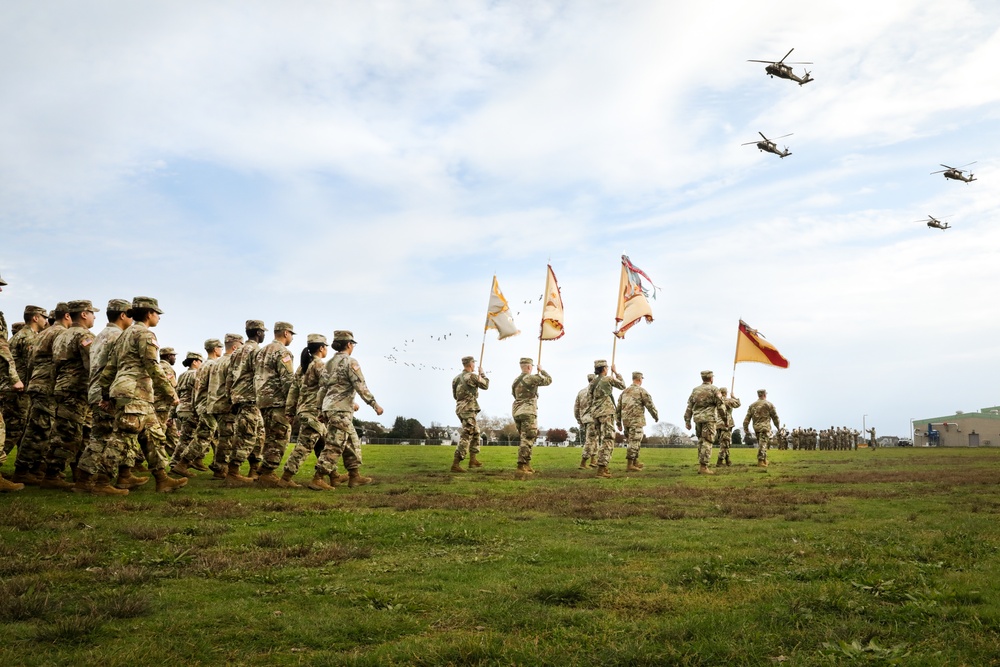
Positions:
{"x": 955, "y": 173}
{"x": 935, "y": 223}
{"x": 770, "y": 146}
{"x": 782, "y": 70}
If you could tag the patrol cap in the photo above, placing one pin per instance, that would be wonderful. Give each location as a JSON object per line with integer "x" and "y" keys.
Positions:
{"x": 211, "y": 344}
{"x": 255, "y": 324}
{"x": 16, "y": 327}
{"x": 233, "y": 338}
{"x": 284, "y": 326}
{"x": 167, "y": 351}
{"x": 316, "y": 338}
{"x": 527, "y": 360}
{"x": 707, "y": 375}
{"x": 82, "y": 306}
{"x": 31, "y": 311}
{"x": 118, "y": 305}
{"x": 194, "y": 356}
{"x": 636, "y": 375}
{"x": 147, "y": 302}
{"x": 590, "y": 377}
{"x": 61, "y": 308}
{"x": 599, "y": 363}
{"x": 344, "y": 334}
{"x": 467, "y": 360}
{"x": 761, "y": 392}
{"x": 724, "y": 391}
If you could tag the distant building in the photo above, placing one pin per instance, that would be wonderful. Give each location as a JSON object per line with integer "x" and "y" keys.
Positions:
{"x": 962, "y": 429}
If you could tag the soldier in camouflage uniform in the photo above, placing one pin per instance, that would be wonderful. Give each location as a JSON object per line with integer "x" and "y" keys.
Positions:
{"x": 9, "y": 381}
{"x": 602, "y": 411}
{"x": 164, "y": 404}
{"x": 465, "y": 389}
{"x": 35, "y": 442}
{"x": 525, "y": 411}
{"x": 248, "y": 436}
{"x": 581, "y": 410}
{"x": 185, "y": 414}
{"x": 129, "y": 379}
{"x": 272, "y": 379}
{"x": 219, "y": 406}
{"x": 17, "y": 404}
{"x": 71, "y": 360}
{"x": 724, "y": 426}
{"x": 762, "y": 413}
{"x": 342, "y": 379}
{"x": 703, "y": 406}
{"x": 632, "y": 407}
{"x": 303, "y": 402}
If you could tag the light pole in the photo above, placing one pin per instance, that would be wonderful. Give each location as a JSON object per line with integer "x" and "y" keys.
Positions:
{"x": 864, "y": 423}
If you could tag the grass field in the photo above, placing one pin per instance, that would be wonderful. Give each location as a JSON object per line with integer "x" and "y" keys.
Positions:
{"x": 884, "y": 557}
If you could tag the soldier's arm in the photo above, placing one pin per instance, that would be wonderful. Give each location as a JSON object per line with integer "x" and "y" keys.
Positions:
{"x": 358, "y": 380}
{"x": 292, "y": 399}
{"x": 151, "y": 363}
{"x": 648, "y": 401}
{"x": 9, "y": 358}
{"x": 110, "y": 367}
{"x": 616, "y": 381}
{"x": 746, "y": 422}
{"x": 734, "y": 402}
{"x": 774, "y": 418}
{"x": 85, "y": 344}
{"x": 578, "y": 408}
{"x": 542, "y": 379}
{"x": 689, "y": 412}
{"x": 482, "y": 381}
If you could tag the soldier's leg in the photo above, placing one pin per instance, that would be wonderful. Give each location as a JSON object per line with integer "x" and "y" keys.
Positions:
{"x": 528, "y": 432}
{"x": 15, "y": 412}
{"x": 762, "y": 441}
{"x": 306, "y": 441}
{"x": 72, "y": 415}
{"x": 725, "y": 439}
{"x": 277, "y": 430}
{"x": 225, "y": 427}
{"x": 35, "y": 441}
{"x": 247, "y": 434}
{"x": 468, "y": 438}
{"x": 605, "y": 440}
{"x": 706, "y": 434}
{"x": 633, "y": 440}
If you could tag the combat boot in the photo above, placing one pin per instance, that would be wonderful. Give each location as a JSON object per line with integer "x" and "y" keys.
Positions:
{"x": 84, "y": 482}
{"x": 126, "y": 480}
{"x": 165, "y": 484}
{"x": 638, "y": 464}
{"x": 705, "y": 470}
{"x": 522, "y": 468}
{"x": 198, "y": 465}
{"x": 583, "y": 463}
{"x": 761, "y": 464}
{"x": 474, "y": 462}
{"x": 318, "y": 483}
{"x": 54, "y": 480}
{"x": 218, "y": 473}
{"x": 593, "y": 461}
{"x": 102, "y": 487}
{"x": 254, "y": 470}
{"x": 267, "y": 479}
{"x": 456, "y": 465}
{"x": 286, "y": 481}
{"x": 719, "y": 462}
{"x": 6, "y": 486}
{"x": 602, "y": 471}
{"x": 24, "y": 475}
{"x": 234, "y": 478}
{"x": 632, "y": 467}
{"x": 528, "y": 468}
{"x": 336, "y": 480}
{"x": 355, "y": 478}
{"x": 181, "y": 469}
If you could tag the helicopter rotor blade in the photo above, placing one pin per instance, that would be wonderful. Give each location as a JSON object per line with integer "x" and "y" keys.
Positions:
{"x": 803, "y": 63}
{"x": 946, "y": 166}
{"x": 748, "y": 143}
{"x": 769, "y": 62}
{"x": 786, "y": 55}
{"x": 938, "y": 171}
{"x": 785, "y": 135}
{"x": 971, "y": 163}
{"x": 762, "y": 134}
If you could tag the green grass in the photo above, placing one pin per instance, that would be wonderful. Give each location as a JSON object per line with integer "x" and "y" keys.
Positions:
{"x": 826, "y": 558}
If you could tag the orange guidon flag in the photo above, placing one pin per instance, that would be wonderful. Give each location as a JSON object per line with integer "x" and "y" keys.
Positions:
{"x": 498, "y": 314}
{"x": 552, "y": 313}
{"x": 751, "y": 346}
{"x": 632, "y": 303}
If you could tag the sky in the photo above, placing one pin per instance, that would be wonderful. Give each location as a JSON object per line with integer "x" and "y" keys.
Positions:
{"x": 371, "y": 166}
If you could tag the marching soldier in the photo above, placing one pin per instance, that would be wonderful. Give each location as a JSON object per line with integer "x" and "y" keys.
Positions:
{"x": 249, "y": 427}
{"x": 17, "y": 404}
{"x": 632, "y": 406}
{"x": 525, "y": 411}
{"x": 724, "y": 426}
{"x": 303, "y": 402}
{"x": 9, "y": 381}
{"x": 762, "y": 413}
{"x": 602, "y": 411}
{"x": 272, "y": 380}
{"x": 219, "y": 406}
{"x": 465, "y": 389}
{"x": 185, "y": 414}
{"x": 702, "y": 407}
{"x": 581, "y": 410}
{"x": 164, "y": 404}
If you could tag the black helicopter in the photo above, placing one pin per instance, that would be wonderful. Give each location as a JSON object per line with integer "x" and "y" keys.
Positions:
{"x": 956, "y": 173}
{"x": 782, "y": 70}
{"x": 934, "y": 223}
{"x": 770, "y": 146}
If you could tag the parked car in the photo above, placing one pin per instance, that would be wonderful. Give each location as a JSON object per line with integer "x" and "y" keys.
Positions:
{"x": 904, "y": 442}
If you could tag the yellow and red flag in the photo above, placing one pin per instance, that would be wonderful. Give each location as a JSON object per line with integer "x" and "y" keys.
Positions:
{"x": 632, "y": 303}
{"x": 751, "y": 346}
{"x": 498, "y": 314}
{"x": 552, "y": 313}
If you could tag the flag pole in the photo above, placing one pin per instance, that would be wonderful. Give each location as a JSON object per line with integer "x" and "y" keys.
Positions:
{"x": 732, "y": 386}
{"x": 614, "y": 348}
{"x": 541, "y": 324}
{"x": 482, "y": 351}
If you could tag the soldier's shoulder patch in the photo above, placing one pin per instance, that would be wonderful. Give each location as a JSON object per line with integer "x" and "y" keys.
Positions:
{"x": 287, "y": 358}
{"x": 87, "y": 340}
{"x": 355, "y": 366}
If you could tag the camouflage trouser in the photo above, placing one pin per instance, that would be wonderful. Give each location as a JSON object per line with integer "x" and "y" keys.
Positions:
{"x": 169, "y": 429}
{"x": 15, "y": 407}
{"x": 723, "y": 438}
{"x": 248, "y": 436}
{"x": 203, "y": 431}
{"x": 763, "y": 436}
{"x": 633, "y": 439}
{"x": 102, "y": 431}
{"x": 311, "y": 431}
{"x": 527, "y": 431}
{"x": 187, "y": 423}
{"x": 277, "y": 429}
{"x": 706, "y": 434}
{"x": 71, "y": 432}
{"x": 588, "y": 435}
{"x": 342, "y": 440}
{"x": 469, "y": 442}
{"x": 604, "y": 436}
{"x": 35, "y": 442}
{"x": 225, "y": 442}
{"x": 3, "y": 438}
{"x": 132, "y": 417}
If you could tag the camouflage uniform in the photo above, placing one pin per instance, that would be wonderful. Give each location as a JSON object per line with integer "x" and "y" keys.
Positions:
{"x": 465, "y": 390}
{"x": 71, "y": 356}
{"x": 17, "y": 404}
{"x": 8, "y": 378}
{"x": 603, "y": 412}
{"x": 581, "y": 411}
{"x": 248, "y": 435}
{"x": 35, "y": 442}
{"x": 273, "y": 375}
{"x": 185, "y": 410}
{"x": 724, "y": 426}
{"x": 103, "y": 421}
{"x": 342, "y": 377}
{"x": 762, "y": 413}
{"x": 165, "y": 405}
{"x": 303, "y": 402}
{"x": 702, "y": 407}
{"x": 525, "y": 409}
{"x": 218, "y": 410}
{"x": 632, "y": 406}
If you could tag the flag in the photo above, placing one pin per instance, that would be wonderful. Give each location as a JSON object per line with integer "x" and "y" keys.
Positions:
{"x": 552, "y": 314}
{"x": 751, "y": 346}
{"x": 498, "y": 314}
{"x": 632, "y": 303}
